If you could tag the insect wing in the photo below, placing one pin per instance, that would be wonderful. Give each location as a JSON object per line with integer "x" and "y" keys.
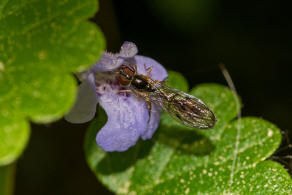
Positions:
{"x": 187, "y": 109}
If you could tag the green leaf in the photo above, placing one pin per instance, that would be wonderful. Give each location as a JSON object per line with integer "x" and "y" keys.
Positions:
{"x": 14, "y": 134}
{"x": 228, "y": 159}
{"x": 41, "y": 43}
{"x": 177, "y": 81}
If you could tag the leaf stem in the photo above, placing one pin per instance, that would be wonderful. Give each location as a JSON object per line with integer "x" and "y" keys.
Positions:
{"x": 7, "y": 178}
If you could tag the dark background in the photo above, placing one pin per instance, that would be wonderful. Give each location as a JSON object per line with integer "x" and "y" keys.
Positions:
{"x": 253, "y": 39}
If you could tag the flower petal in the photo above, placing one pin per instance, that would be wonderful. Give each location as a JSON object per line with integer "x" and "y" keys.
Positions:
{"x": 128, "y": 50}
{"x": 158, "y": 71}
{"x": 127, "y": 121}
{"x": 107, "y": 62}
{"x": 85, "y": 105}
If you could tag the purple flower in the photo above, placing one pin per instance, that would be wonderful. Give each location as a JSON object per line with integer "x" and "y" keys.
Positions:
{"x": 127, "y": 114}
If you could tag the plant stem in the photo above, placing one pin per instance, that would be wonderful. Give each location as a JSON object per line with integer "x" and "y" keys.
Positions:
{"x": 7, "y": 177}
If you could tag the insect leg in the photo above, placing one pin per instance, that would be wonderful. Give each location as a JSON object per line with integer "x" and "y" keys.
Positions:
{"x": 163, "y": 81}
{"x": 127, "y": 91}
{"x": 160, "y": 82}
{"x": 135, "y": 69}
{"x": 149, "y": 106}
{"x": 149, "y": 70}
{"x": 145, "y": 96}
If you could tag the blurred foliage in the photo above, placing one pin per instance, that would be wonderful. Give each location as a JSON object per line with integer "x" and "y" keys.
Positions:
{"x": 41, "y": 43}
{"x": 185, "y": 15}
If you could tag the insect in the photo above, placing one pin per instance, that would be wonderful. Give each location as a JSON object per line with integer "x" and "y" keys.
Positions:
{"x": 183, "y": 107}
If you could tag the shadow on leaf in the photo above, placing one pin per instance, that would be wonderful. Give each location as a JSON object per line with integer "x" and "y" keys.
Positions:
{"x": 186, "y": 142}
{"x": 115, "y": 162}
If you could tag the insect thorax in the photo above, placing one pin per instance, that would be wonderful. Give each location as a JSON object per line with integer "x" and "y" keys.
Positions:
{"x": 141, "y": 83}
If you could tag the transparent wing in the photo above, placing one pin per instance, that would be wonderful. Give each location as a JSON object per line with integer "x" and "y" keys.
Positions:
{"x": 185, "y": 108}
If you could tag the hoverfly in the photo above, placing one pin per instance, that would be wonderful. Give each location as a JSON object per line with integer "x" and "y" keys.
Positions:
{"x": 183, "y": 107}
